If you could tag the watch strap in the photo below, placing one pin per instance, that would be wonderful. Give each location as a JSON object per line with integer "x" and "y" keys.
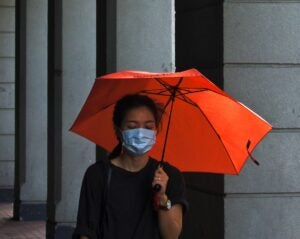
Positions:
{"x": 167, "y": 206}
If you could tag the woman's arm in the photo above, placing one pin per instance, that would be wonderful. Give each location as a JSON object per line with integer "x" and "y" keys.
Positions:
{"x": 169, "y": 220}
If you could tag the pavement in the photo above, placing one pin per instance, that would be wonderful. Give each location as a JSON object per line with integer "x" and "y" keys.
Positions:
{"x": 11, "y": 229}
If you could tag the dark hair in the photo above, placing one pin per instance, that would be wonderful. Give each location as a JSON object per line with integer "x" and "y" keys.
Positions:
{"x": 129, "y": 102}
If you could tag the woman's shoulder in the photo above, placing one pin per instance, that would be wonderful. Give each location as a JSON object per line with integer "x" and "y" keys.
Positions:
{"x": 97, "y": 169}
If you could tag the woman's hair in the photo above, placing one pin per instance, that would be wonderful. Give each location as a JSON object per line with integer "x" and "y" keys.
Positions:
{"x": 127, "y": 103}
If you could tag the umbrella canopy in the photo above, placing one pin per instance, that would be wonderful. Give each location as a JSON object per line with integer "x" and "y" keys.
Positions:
{"x": 208, "y": 131}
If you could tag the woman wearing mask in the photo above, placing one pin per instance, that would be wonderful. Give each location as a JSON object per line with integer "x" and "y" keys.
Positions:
{"x": 117, "y": 199}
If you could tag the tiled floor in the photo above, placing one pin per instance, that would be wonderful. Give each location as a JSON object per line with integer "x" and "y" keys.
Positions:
{"x": 10, "y": 229}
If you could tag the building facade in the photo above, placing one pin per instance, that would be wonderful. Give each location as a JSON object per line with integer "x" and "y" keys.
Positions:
{"x": 51, "y": 52}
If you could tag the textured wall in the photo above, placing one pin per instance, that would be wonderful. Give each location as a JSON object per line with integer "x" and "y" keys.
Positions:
{"x": 79, "y": 72}
{"x": 145, "y": 35}
{"x": 7, "y": 87}
{"x": 35, "y": 186}
{"x": 261, "y": 69}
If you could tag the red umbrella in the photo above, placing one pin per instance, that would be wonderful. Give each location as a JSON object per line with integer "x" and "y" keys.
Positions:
{"x": 203, "y": 128}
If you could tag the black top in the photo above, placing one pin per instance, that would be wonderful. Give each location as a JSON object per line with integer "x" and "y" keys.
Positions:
{"x": 121, "y": 206}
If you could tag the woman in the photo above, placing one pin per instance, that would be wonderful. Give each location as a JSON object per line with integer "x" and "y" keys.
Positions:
{"x": 117, "y": 199}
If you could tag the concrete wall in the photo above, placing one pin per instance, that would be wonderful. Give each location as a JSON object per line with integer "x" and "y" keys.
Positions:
{"x": 31, "y": 111}
{"x": 145, "y": 37}
{"x": 7, "y": 101}
{"x": 261, "y": 69}
{"x": 79, "y": 67}
{"x": 72, "y": 70}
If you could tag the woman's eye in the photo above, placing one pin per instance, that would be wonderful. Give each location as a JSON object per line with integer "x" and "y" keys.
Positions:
{"x": 131, "y": 127}
{"x": 152, "y": 127}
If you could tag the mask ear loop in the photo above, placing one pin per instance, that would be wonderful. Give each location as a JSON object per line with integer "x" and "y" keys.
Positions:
{"x": 120, "y": 139}
{"x": 118, "y": 149}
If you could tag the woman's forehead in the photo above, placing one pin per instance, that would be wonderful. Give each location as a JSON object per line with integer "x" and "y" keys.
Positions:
{"x": 139, "y": 113}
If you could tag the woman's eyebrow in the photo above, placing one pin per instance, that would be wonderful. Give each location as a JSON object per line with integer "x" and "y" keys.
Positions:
{"x": 136, "y": 121}
{"x": 131, "y": 121}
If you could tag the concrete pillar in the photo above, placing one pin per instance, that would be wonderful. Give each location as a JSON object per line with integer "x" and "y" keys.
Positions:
{"x": 202, "y": 48}
{"x": 143, "y": 36}
{"x": 7, "y": 107}
{"x": 261, "y": 56}
{"x": 31, "y": 120}
{"x": 72, "y": 70}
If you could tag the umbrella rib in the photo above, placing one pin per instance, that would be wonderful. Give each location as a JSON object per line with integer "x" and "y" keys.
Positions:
{"x": 171, "y": 99}
{"x": 186, "y": 100}
{"x": 179, "y": 94}
{"x": 159, "y": 92}
{"x": 220, "y": 138}
{"x": 105, "y": 107}
{"x": 183, "y": 97}
{"x": 166, "y": 85}
{"x": 146, "y": 92}
{"x": 189, "y": 101}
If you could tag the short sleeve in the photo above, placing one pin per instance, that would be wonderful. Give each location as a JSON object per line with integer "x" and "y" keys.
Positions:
{"x": 176, "y": 190}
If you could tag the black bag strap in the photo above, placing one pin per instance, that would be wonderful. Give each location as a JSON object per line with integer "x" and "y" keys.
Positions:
{"x": 107, "y": 179}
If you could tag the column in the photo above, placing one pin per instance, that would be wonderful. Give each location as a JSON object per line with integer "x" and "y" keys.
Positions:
{"x": 143, "y": 37}
{"x": 7, "y": 106}
{"x": 261, "y": 59}
{"x": 31, "y": 115}
{"x": 201, "y": 47}
{"x": 72, "y": 70}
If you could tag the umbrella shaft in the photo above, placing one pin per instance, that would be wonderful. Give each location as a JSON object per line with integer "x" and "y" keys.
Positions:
{"x": 167, "y": 132}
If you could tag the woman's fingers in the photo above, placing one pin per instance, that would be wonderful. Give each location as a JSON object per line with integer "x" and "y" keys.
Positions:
{"x": 161, "y": 178}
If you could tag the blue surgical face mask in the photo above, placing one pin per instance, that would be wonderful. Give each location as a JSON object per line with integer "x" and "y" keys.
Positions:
{"x": 138, "y": 141}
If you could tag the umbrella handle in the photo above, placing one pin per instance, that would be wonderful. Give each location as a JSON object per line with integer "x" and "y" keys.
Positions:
{"x": 157, "y": 188}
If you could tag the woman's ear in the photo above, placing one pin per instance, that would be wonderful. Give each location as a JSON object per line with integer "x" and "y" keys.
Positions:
{"x": 118, "y": 133}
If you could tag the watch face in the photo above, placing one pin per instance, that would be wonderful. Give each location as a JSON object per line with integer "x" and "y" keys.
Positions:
{"x": 168, "y": 206}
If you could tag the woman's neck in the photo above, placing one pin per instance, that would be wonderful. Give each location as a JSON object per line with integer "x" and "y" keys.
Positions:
{"x": 131, "y": 163}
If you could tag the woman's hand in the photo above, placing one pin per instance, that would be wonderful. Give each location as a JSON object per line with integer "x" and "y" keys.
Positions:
{"x": 170, "y": 221}
{"x": 161, "y": 178}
